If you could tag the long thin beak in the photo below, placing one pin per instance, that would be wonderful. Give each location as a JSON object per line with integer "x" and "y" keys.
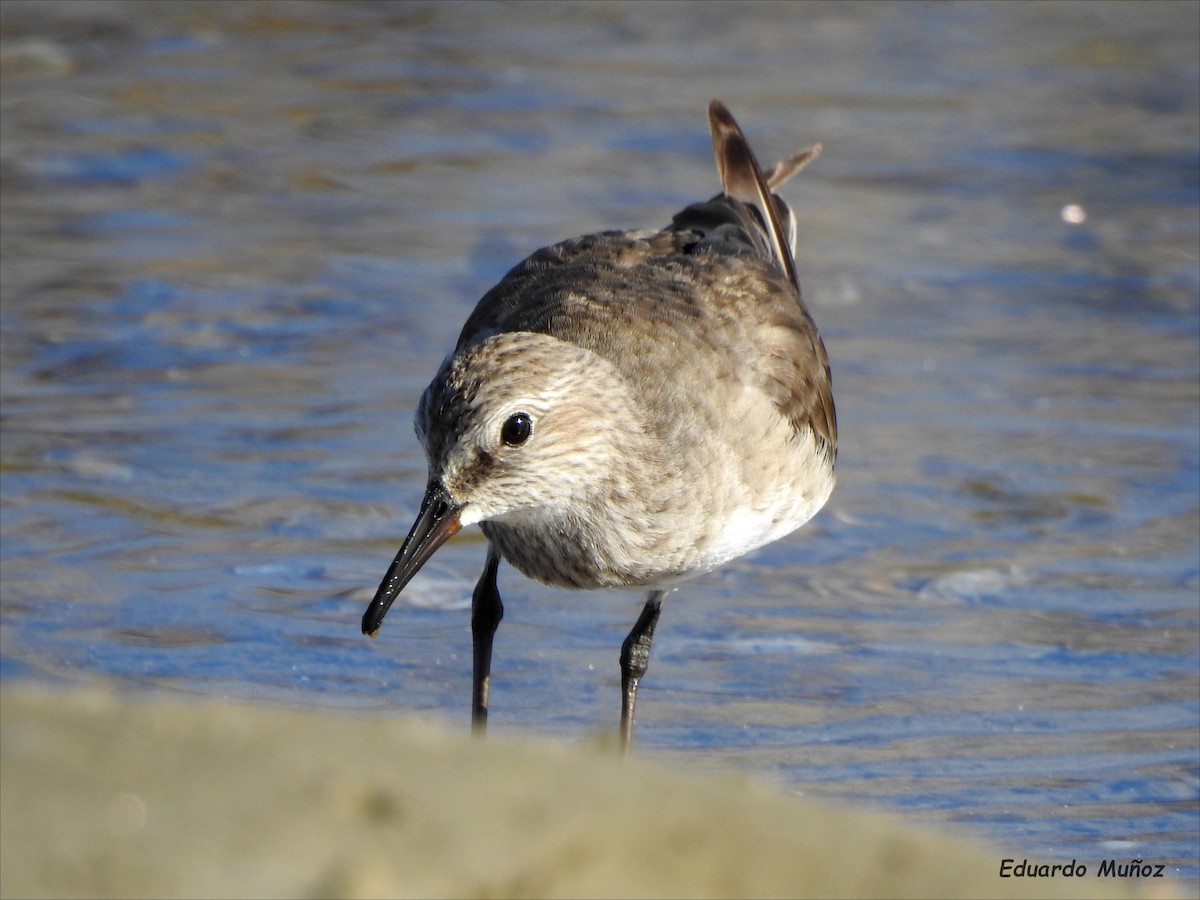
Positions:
{"x": 436, "y": 523}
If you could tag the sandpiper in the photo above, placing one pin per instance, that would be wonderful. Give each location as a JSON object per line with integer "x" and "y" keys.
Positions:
{"x": 630, "y": 409}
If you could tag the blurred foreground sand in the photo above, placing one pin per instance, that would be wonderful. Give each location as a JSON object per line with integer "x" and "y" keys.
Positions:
{"x": 106, "y": 796}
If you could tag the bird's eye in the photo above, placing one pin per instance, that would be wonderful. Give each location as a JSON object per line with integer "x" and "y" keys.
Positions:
{"x": 516, "y": 429}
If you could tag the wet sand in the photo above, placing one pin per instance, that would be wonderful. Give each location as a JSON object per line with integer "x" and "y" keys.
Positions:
{"x": 106, "y": 796}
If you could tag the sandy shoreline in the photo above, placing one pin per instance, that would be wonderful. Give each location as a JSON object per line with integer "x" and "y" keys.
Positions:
{"x": 107, "y": 796}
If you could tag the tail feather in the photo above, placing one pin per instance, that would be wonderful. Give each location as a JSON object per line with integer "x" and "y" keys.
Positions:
{"x": 793, "y": 165}
{"x": 742, "y": 179}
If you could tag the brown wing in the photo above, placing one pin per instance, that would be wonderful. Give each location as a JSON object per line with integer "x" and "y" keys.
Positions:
{"x": 797, "y": 365}
{"x": 721, "y": 276}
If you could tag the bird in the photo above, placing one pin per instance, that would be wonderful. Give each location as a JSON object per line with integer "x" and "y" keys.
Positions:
{"x": 631, "y": 409}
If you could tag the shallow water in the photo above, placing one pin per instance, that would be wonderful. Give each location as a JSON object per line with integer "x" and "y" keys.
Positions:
{"x": 238, "y": 239}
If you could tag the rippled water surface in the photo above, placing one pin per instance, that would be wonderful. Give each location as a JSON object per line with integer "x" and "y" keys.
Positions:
{"x": 238, "y": 239}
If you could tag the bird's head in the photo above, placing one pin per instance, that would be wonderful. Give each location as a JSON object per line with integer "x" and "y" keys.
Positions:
{"x": 517, "y": 427}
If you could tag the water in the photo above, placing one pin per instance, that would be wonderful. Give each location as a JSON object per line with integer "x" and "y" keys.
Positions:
{"x": 238, "y": 239}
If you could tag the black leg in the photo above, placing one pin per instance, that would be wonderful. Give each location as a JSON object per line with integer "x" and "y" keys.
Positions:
{"x": 486, "y": 613}
{"x": 635, "y": 657}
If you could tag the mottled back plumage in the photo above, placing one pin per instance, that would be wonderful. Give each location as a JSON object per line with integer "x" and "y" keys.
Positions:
{"x": 718, "y": 264}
